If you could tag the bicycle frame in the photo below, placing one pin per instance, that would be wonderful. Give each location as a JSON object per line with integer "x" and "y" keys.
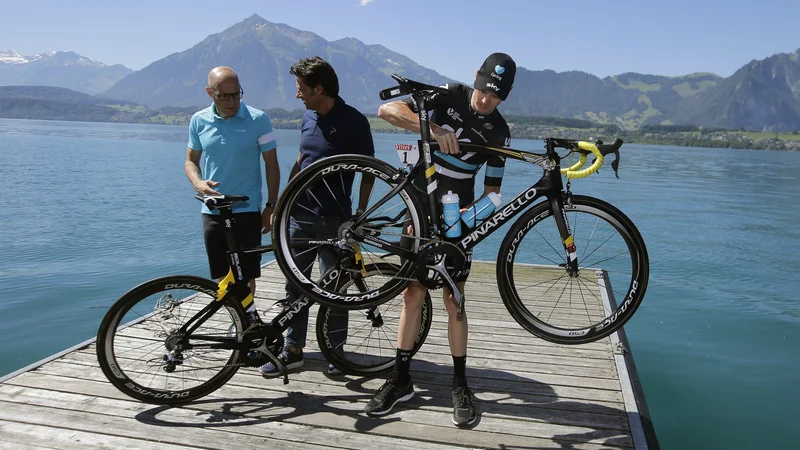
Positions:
{"x": 236, "y": 289}
{"x": 549, "y": 185}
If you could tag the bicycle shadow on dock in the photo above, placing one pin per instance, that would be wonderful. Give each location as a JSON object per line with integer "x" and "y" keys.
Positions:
{"x": 499, "y": 394}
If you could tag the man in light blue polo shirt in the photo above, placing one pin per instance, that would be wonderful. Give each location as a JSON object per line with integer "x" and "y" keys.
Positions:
{"x": 226, "y": 142}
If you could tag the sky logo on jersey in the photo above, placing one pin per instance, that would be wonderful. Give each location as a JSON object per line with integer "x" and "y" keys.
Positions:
{"x": 493, "y": 86}
{"x": 455, "y": 115}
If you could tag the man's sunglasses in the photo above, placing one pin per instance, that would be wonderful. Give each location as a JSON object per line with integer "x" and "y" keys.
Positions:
{"x": 234, "y": 96}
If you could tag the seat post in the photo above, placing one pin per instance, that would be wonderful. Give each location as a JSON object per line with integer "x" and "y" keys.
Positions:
{"x": 234, "y": 249}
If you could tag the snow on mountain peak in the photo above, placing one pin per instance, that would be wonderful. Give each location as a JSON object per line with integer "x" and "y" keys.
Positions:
{"x": 12, "y": 57}
{"x": 67, "y": 57}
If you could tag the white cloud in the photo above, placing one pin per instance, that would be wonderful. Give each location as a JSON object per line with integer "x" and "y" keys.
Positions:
{"x": 366, "y": 2}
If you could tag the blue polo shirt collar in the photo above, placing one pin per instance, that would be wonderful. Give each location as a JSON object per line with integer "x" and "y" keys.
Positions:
{"x": 239, "y": 113}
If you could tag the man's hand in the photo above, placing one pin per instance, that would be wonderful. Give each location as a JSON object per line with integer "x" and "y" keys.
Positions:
{"x": 266, "y": 220}
{"x": 448, "y": 143}
{"x": 207, "y": 187}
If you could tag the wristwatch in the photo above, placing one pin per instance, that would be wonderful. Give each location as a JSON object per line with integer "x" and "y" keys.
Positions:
{"x": 269, "y": 205}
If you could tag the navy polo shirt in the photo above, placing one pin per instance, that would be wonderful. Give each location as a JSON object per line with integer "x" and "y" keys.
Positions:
{"x": 343, "y": 130}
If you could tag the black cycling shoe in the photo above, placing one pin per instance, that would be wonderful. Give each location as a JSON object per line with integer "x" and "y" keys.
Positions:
{"x": 391, "y": 393}
{"x": 464, "y": 413}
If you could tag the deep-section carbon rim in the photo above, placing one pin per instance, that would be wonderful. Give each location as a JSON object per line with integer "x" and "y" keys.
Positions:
{"x": 546, "y": 300}
{"x": 389, "y": 222}
{"x": 140, "y": 329}
{"x": 365, "y": 342}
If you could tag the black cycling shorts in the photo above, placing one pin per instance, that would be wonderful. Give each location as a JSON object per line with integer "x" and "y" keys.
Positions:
{"x": 247, "y": 226}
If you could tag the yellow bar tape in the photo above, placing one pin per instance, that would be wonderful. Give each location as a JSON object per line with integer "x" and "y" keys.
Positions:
{"x": 589, "y": 170}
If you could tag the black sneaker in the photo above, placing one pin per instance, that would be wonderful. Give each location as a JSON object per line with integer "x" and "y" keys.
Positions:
{"x": 391, "y": 393}
{"x": 463, "y": 411}
{"x": 289, "y": 359}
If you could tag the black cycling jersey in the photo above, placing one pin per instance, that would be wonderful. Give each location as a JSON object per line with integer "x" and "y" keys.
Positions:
{"x": 454, "y": 112}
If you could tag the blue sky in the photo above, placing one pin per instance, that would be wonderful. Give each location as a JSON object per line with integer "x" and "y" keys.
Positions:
{"x": 599, "y": 37}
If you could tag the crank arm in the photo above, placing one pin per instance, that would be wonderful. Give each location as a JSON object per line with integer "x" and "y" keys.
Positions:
{"x": 458, "y": 296}
{"x": 281, "y": 368}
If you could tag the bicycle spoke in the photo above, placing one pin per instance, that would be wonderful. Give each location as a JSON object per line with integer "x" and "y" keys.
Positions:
{"x": 567, "y": 307}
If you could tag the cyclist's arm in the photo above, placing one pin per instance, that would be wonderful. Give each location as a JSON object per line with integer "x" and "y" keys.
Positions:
{"x": 400, "y": 114}
{"x": 192, "y": 168}
{"x": 192, "y": 165}
{"x": 268, "y": 147}
{"x": 273, "y": 172}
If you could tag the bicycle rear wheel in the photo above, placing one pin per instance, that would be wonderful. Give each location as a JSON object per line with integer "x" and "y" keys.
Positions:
{"x": 138, "y": 343}
{"x": 340, "y": 177}
{"x": 545, "y": 300}
{"x": 364, "y": 342}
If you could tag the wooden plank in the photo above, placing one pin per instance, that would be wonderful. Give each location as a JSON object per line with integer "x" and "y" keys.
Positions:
{"x": 257, "y": 411}
{"x": 18, "y": 435}
{"x": 76, "y": 364}
{"x": 563, "y": 411}
{"x": 75, "y": 419}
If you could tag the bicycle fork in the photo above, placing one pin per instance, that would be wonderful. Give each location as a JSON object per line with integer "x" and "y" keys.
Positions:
{"x": 559, "y": 205}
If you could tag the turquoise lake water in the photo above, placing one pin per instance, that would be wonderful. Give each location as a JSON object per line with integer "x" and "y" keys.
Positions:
{"x": 90, "y": 210}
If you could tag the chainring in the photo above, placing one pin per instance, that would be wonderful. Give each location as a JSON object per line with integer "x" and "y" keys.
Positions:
{"x": 274, "y": 340}
{"x": 431, "y": 254}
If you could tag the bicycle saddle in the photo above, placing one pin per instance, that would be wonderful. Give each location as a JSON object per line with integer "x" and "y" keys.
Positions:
{"x": 217, "y": 201}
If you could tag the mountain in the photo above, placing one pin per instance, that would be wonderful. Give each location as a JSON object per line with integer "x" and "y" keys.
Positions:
{"x": 61, "y": 69}
{"x": 763, "y": 95}
{"x": 261, "y": 52}
{"x": 55, "y": 103}
{"x": 628, "y": 100}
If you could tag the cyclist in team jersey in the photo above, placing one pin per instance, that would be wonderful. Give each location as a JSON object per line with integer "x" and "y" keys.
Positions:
{"x": 466, "y": 115}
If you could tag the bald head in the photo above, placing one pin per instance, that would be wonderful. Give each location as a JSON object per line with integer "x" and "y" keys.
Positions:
{"x": 220, "y": 75}
{"x": 224, "y": 88}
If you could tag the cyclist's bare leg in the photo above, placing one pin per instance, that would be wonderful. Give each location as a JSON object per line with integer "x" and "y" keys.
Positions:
{"x": 456, "y": 323}
{"x": 411, "y": 315}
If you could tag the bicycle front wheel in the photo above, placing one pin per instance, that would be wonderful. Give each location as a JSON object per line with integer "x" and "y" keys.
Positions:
{"x": 139, "y": 341}
{"x": 363, "y": 342}
{"x": 320, "y": 200}
{"x": 573, "y": 309}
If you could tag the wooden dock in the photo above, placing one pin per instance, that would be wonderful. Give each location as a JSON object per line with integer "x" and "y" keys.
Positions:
{"x": 530, "y": 394}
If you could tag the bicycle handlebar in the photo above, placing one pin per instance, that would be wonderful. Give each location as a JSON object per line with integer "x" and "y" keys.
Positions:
{"x": 599, "y": 150}
{"x": 407, "y": 86}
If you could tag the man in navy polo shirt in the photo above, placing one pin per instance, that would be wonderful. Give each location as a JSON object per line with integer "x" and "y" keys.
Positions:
{"x": 329, "y": 127}
{"x": 226, "y": 142}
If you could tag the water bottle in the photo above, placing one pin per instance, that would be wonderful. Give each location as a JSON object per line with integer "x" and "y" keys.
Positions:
{"x": 482, "y": 209}
{"x": 452, "y": 215}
